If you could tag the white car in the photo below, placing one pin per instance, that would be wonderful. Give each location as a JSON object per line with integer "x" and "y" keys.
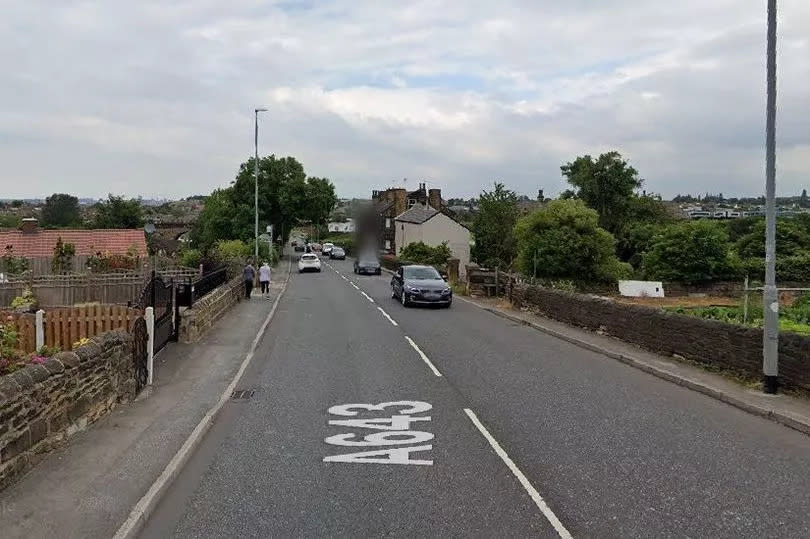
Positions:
{"x": 326, "y": 248}
{"x": 309, "y": 262}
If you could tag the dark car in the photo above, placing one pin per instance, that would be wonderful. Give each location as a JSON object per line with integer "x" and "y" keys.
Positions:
{"x": 337, "y": 253}
{"x": 367, "y": 264}
{"x": 420, "y": 285}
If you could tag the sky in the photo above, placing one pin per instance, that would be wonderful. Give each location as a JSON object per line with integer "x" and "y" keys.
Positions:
{"x": 155, "y": 99}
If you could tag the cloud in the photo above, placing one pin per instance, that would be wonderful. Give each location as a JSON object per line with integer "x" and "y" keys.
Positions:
{"x": 155, "y": 99}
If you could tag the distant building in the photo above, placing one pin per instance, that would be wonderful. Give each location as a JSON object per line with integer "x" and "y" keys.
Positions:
{"x": 377, "y": 223}
{"x": 337, "y": 226}
{"x": 433, "y": 227}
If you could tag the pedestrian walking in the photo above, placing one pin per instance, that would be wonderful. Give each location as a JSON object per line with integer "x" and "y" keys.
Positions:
{"x": 264, "y": 278}
{"x": 248, "y": 276}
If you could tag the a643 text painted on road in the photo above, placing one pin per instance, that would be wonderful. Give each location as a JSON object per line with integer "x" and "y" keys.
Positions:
{"x": 394, "y": 422}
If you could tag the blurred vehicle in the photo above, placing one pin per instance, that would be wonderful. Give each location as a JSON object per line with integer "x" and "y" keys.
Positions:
{"x": 327, "y": 248}
{"x": 337, "y": 253}
{"x": 420, "y": 285}
{"x": 309, "y": 262}
{"x": 367, "y": 263}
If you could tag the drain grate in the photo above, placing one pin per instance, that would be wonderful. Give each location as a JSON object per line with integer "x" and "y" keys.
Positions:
{"x": 242, "y": 394}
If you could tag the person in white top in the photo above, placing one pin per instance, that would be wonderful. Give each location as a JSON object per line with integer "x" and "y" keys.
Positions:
{"x": 264, "y": 278}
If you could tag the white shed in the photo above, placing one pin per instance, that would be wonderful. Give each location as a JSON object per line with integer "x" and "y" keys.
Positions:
{"x": 641, "y": 289}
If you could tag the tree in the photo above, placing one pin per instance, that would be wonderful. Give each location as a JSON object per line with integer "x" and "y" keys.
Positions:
{"x": 643, "y": 217}
{"x": 118, "y": 212}
{"x": 61, "y": 210}
{"x": 563, "y": 240}
{"x": 691, "y": 252}
{"x": 321, "y": 200}
{"x": 8, "y": 220}
{"x": 792, "y": 238}
{"x": 493, "y": 227}
{"x": 605, "y": 185}
{"x": 421, "y": 253}
{"x": 286, "y": 196}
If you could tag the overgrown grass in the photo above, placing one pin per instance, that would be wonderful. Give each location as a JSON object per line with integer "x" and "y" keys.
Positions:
{"x": 795, "y": 318}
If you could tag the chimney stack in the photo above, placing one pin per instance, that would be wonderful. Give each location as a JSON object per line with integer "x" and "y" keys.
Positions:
{"x": 400, "y": 201}
{"x": 29, "y": 225}
{"x": 435, "y": 199}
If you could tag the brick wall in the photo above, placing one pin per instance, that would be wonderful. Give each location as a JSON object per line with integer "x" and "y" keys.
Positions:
{"x": 736, "y": 348}
{"x": 42, "y": 405}
{"x": 197, "y": 320}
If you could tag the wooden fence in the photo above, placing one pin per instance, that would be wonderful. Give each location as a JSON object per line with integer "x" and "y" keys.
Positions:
{"x": 26, "y": 329}
{"x": 64, "y": 326}
{"x": 71, "y": 289}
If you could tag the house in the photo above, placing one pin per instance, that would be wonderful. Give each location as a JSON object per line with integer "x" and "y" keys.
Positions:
{"x": 337, "y": 226}
{"x": 35, "y": 243}
{"x": 377, "y": 224}
{"x": 432, "y": 227}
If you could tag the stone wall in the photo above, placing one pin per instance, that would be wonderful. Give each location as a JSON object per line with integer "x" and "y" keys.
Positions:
{"x": 197, "y": 320}
{"x": 42, "y": 405}
{"x": 733, "y": 347}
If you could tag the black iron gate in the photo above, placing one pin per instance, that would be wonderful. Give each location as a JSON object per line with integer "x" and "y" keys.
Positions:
{"x": 160, "y": 295}
{"x": 140, "y": 353}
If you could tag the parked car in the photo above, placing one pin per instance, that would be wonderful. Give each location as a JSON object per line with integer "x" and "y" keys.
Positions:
{"x": 309, "y": 262}
{"x": 420, "y": 285}
{"x": 337, "y": 253}
{"x": 367, "y": 263}
{"x": 326, "y": 248}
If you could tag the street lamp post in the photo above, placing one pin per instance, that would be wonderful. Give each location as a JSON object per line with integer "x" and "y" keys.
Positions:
{"x": 256, "y": 185}
{"x": 770, "y": 303}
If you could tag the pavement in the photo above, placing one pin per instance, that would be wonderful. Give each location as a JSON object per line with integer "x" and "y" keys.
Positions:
{"x": 364, "y": 418}
{"x": 87, "y": 488}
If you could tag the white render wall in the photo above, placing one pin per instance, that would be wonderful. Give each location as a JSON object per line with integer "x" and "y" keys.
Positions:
{"x": 433, "y": 232}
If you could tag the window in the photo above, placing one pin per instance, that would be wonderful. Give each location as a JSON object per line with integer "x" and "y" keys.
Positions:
{"x": 411, "y": 202}
{"x": 388, "y": 244}
{"x": 387, "y": 222}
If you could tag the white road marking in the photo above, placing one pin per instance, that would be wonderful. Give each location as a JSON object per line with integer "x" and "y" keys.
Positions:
{"x": 423, "y": 356}
{"x": 394, "y": 429}
{"x": 366, "y": 296}
{"x": 538, "y": 500}
{"x": 385, "y": 314}
{"x": 354, "y": 285}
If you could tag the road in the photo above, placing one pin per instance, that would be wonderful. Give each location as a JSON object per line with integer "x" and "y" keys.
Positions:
{"x": 527, "y": 435}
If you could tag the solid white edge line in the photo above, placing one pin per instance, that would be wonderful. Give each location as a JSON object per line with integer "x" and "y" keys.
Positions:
{"x": 141, "y": 511}
{"x": 535, "y": 496}
{"x": 423, "y": 356}
{"x": 367, "y": 296}
{"x": 385, "y": 314}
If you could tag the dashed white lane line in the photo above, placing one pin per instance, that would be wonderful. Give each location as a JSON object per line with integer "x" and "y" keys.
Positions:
{"x": 366, "y": 296}
{"x": 535, "y": 496}
{"x": 385, "y": 314}
{"x": 354, "y": 285}
{"x": 423, "y": 356}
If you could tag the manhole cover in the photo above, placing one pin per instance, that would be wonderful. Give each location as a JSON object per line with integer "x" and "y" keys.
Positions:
{"x": 242, "y": 394}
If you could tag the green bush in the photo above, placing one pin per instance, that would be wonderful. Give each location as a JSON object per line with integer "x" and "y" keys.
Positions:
{"x": 28, "y": 301}
{"x": 191, "y": 258}
{"x": 563, "y": 240}
{"x": 231, "y": 251}
{"x": 691, "y": 252}
{"x": 421, "y": 253}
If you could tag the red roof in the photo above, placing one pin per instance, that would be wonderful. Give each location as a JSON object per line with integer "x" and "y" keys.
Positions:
{"x": 40, "y": 243}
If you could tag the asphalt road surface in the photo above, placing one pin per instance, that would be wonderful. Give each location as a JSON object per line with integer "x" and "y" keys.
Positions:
{"x": 466, "y": 425}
